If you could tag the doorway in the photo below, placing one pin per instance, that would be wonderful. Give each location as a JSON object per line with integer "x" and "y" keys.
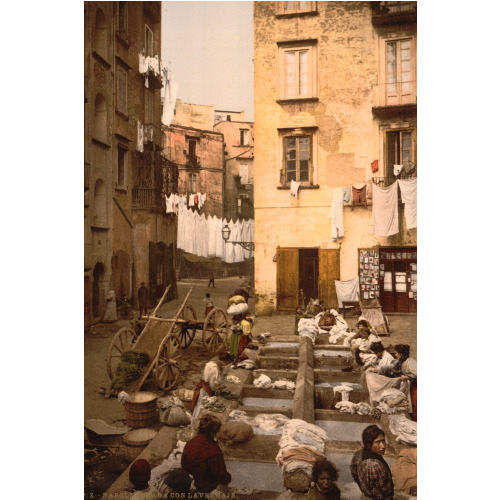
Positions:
{"x": 308, "y": 274}
{"x": 97, "y": 290}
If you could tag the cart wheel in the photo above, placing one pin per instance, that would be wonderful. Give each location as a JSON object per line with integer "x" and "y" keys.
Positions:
{"x": 168, "y": 362}
{"x": 185, "y": 333}
{"x": 122, "y": 341}
{"x": 215, "y": 330}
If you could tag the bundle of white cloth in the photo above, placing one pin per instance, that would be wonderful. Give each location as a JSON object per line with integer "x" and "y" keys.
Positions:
{"x": 297, "y": 432}
{"x": 263, "y": 423}
{"x": 344, "y": 391}
{"x": 404, "y": 429}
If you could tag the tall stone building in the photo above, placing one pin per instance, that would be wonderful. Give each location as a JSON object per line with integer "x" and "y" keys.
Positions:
{"x": 335, "y": 108}
{"x": 239, "y": 154}
{"x": 198, "y": 151}
{"x": 128, "y": 236}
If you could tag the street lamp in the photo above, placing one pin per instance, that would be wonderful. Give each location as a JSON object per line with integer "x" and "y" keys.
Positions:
{"x": 247, "y": 245}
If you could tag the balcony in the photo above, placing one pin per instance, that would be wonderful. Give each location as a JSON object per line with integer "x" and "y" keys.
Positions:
{"x": 150, "y": 68}
{"x": 409, "y": 171}
{"x": 400, "y": 100}
{"x": 193, "y": 161}
{"x": 147, "y": 199}
{"x": 384, "y": 13}
{"x": 154, "y": 136}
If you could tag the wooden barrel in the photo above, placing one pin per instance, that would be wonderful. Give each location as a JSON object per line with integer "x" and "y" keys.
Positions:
{"x": 141, "y": 410}
{"x": 136, "y": 441}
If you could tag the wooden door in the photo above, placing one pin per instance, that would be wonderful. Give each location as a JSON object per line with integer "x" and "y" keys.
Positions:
{"x": 152, "y": 272}
{"x": 287, "y": 275}
{"x": 329, "y": 271}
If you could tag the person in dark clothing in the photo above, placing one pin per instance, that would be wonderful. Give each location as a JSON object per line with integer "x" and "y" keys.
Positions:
{"x": 369, "y": 469}
{"x": 142, "y": 296}
{"x": 324, "y": 476}
{"x": 211, "y": 279}
{"x": 203, "y": 459}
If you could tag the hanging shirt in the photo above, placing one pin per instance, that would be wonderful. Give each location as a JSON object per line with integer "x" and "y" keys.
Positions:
{"x": 397, "y": 169}
{"x": 408, "y": 189}
{"x": 374, "y": 166}
{"x": 347, "y": 194}
{"x": 337, "y": 214}
{"x": 358, "y": 195}
{"x": 294, "y": 188}
{"x": 385, "y": 210}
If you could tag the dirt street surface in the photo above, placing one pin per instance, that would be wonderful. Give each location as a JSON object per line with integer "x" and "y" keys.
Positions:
{"x": 104, "y": 464}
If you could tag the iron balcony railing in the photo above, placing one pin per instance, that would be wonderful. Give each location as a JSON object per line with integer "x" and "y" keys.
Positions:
{"x": 192, "y": 160}
{"x": 147, "y": 198}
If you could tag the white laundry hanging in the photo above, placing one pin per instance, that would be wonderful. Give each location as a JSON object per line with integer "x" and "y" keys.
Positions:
{"x": 337, "y": 213}
{"x": 408, "y": 189}
{"x": 294, "y": 188}
{"x": 347, "y": 291}
{"x": 385, "y": 210}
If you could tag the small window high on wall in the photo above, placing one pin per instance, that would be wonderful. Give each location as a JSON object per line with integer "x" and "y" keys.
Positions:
{"x": 148, "y": 41}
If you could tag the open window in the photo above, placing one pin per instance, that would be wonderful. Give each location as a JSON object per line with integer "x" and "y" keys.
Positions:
{"x": 298, "y": 155}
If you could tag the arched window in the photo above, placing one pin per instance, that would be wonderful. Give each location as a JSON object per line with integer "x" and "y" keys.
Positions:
{"x": 100, "y": 39}
{"x": 100, "y": 118}
{"x": 100, "y": 217}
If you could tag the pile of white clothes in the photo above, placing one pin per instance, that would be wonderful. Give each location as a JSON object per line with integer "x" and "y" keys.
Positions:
{"x": 263, "y": 423}
{"x": 235, "y": 309}
{"x": 393, "y": 401}
{"x": 344, "y": 391}
{"x": 247, "y": 364}
{"x": 300, "y": 435}
{"x": 308, "y": 327}
{"x": 264, "y": 382}
{"x": 404, "y": 429}
{"x": 202, "y": 235}
{"x": 173, "y": 461}
{"x": 352, "y": 408}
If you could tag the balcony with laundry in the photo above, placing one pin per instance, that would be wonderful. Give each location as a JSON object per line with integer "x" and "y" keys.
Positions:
{"x": 154, "y": 138}
{"x": 384, "y": 13}
{"x": 151, "y": 69}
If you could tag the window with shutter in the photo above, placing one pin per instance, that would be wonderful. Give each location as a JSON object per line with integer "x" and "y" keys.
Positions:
{"x": 122, "y": 90}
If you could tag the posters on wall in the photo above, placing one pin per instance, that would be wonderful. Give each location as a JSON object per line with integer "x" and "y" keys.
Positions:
{"x": 369, "y": 273}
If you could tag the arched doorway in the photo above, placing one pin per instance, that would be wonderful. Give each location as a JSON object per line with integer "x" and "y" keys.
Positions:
{"x": 121, "y": 274}
{"x": 97, "y": 290}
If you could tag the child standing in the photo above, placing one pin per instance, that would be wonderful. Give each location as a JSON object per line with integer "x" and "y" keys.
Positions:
{"x": 209, "y": 303}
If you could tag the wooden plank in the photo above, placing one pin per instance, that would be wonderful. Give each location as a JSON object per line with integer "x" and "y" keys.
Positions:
{"x": 287, "y": 278}
{"x": 329, "y": 271}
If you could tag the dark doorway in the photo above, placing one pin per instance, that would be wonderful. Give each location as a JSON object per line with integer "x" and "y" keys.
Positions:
{"x": 97, "y": 289}
{"x": 121, "y": 274}
{"x": 308, "y": 273}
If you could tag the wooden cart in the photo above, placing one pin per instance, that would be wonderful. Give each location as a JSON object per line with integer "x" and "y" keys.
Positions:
{"x": 372, "y": 311}
{"x": 164, "y": 339}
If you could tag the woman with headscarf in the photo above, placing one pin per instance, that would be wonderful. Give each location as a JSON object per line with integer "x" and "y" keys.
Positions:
{"x": 203, "y": 459}
{"x": 408, "y": 376}
{"x": 369, "y": 469}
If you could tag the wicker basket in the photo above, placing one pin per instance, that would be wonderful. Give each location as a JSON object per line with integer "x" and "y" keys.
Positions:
{"x": 141, "y": 410}
{"x": 136, "y": 441}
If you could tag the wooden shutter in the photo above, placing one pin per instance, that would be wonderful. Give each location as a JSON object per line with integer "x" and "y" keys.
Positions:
{"x": 329, "y": 271}
{"x": 287, "y": 278}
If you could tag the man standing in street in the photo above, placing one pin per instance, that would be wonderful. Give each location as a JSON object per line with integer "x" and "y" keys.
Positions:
{"x": 142, "y": 295}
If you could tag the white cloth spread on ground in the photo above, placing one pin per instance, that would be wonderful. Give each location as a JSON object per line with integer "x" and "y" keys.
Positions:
{"x": 404, "y": 429}
{"x": 294, "y": 188}
{"x": 347, "y": 291}
{"x": 385, "y": 210}
{"x": 344, "y": 391}
{"x": 408, "y": 189}
{"x": 337, "y": 213}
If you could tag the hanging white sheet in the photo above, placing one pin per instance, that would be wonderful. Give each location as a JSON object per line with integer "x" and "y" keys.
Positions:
{"x": 385, "y": 210}
{"x": 337, "y": 213}
{"x": 408, "y": 189}
{"x": 347, "y": 291}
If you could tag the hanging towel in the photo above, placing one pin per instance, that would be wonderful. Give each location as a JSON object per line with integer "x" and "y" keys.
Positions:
{"x": 347, "y": 194}
{"x": 408, "y": 189}
{"x": 294, "y": 188}
{"x": 375, "y": 166}
{"x": 358, "y": 195}
{"x": 337, "y": 214}
{"x": 397, "y": 169}
{"x": 385, "y": 210}
{"x": 347, "y": 291}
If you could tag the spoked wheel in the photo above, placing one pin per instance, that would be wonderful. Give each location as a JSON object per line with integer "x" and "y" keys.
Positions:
{"x": 168, "y": 362}
{"x": 122, "y": 341}
{"x": 215, "y": 330}
{"x": 186, "y": 333}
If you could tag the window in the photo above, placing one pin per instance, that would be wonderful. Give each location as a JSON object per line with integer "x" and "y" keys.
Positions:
{"x": 148, "y": 42}
{"x": 297, "y": 67}
{"x": 100, "y": 118}
{"x": 400, "y": 150}
{"x": 192, "y": 183}
{"x": 297, "y": 163}
{"x": 122, "y": 168}
{"x": 191, "y": 147}
{"x": 122, "y": 19}
{"x": 121, "y": 97}
{"x": 244, "y": 173}
{"x": 399, "y": 72}
{"x": 243, "y": 137}
{"x": 148, "y": 112}
{"x": 296, "y": 7}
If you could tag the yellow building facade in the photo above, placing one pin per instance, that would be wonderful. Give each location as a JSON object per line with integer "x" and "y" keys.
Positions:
{"x": 335, "y": 107}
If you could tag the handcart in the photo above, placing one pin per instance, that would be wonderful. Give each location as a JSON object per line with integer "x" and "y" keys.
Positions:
{"x": 372, "y": 311}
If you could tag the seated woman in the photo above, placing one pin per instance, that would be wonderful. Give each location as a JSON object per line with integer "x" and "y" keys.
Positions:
{"x": 324, "y": 476}
{"x": 361, "y": 345}
{"x": 382, "y": 358}
{"x": 369, "y": 469}
{"x": 408, "y": 377}
{"x": 203, "y": 459}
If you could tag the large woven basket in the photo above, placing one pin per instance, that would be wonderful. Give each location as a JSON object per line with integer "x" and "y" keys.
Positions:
{"x": 136, "y": 441}
{"x": 142, "y": 410}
